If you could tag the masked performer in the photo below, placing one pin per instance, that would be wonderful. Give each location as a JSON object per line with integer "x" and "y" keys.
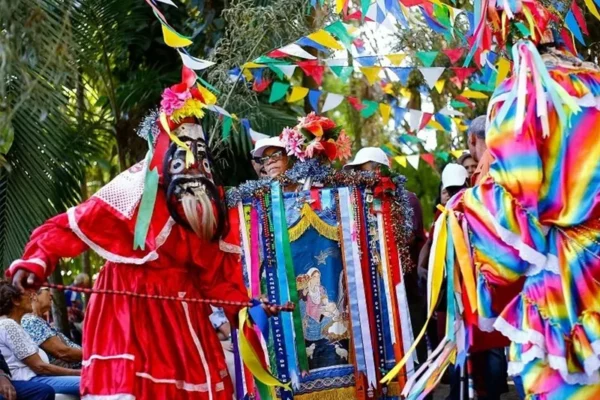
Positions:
{"x": 152, "y": 348}
{"x": 531, "y": 224}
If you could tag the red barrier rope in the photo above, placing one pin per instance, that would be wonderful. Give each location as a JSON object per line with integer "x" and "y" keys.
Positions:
{"x": 286, "y": 307}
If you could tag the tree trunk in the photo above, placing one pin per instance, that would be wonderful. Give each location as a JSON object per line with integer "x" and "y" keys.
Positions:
{"x": 59, "y": 305}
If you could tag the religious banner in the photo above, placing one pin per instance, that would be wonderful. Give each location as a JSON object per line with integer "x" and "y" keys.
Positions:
{"x": 338, "y": 250}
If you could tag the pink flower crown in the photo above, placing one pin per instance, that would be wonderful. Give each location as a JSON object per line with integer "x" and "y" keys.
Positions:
{"x": 315, "y": 136}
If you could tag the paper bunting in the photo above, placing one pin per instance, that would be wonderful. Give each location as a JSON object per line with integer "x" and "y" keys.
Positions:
{"x": 342, "y": 72}
{"x": 432, "y": 75}
{"x": 371, "y": 73}
{"x": 449, "y": 112}
{"x": 288, "y": 70}
{"x": 573, "y": 25}
{"x": 278, "y": 91}
{"x": 169, "y": 2}
{"x": 429, "y": 159}
{"x": 425, "y": 120}
{"x": 297, "y": 94}
{"x": 340, "y": 5}
{"x": 433, "y": 124}
{"x": 439, "y": 85}
{"x": 296, "y": 51}
{"x": 401, "y": 160}
{"x": 402, "y": 74}
{"x": 385, "y": 111}
{"x": 414, "y": 119}
{"x": 579, "y": 17}
{"x": 427, "y": 57}
{"x": 356, "y": 103}
{"x": 470, "y": 94}
{"x": 174, "y": 39}
{"x": 324, "y": 38}
{"x": 227, "y": 123}
{"x": 503, "y": 69}
{"x": 413, "y": 161}
{"x": 306, "y": 42}
{"x": 313, "y": 69}
{"x": 371, "y": 108}
{"x": 313, "y": 99}
{"x": 396, "y": 59}
{"x": 457, "y": 153}
{"x": 462, "y": 73}
{"x": 194, "y": 63}
{"x": 338, "y": 29}
{"x": 332, "y": 100}
{"x": 454, "y": 54}
{"x": 399, "y": 114}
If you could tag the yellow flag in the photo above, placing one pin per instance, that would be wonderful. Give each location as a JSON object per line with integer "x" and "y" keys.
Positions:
{"x": 439, "y": 85}
{"x": 250, "y": 65}
{"x": 459, "y": 124}
{"x": 388, "y": 89}
{"x": 457, "y": 153}
{"x": 405, "y": 92}
{"x": 396, "y": 59}
{"x": 385, "y": 110}
{"x": 471, "y": 94}
{"x": 371, "y": 73}
{"x": 401, "y": 160}
{"x": 209, "y": 98}
{"x": 339, "y": 6}
{"x": 298, "y": 93}
{"x": 173, "y": 39}
{"x": 503, "y": 68}
{"x": 324, "y": 38}
{"x": 433, "y": 124}
{"x": 590, "y": 5}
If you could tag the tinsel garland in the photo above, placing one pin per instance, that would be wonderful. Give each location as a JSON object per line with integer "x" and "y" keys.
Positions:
{"x": 149, "y": 126}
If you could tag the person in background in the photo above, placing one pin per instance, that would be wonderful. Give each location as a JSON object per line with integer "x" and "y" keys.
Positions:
{"x": 26, "y": 361}
{"x": 60, "y": 349}
{"x": 270, "y": 153}
{"x": 467, "y": 161}
{"x": 21, "y": 390}
{"x": 375, "y": 159}
{"x": 223, "y": 327}
{"x": 478, "y": 148}
{"x": 76, "y": 307}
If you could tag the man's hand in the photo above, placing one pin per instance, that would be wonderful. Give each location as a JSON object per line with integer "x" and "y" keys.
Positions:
{"x": 7, "y": 390}
{"x": 23, "y": 279}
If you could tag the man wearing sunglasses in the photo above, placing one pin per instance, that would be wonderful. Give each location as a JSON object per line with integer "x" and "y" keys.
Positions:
{"x": 271, "y": 155}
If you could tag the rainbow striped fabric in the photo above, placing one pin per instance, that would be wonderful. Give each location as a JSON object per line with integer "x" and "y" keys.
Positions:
{"x": 533, "y": 221}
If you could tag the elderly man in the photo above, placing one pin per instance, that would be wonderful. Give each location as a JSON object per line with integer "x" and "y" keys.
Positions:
{"x": 271, "y": 155}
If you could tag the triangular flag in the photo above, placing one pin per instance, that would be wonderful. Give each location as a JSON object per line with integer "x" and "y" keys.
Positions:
{"x": 399, "y": 114}
{"x": 297, "y": 94}
{"x": 342, "y": 72}
{"x": 276, "y": 70}
{"x": 454, "y": 54}
{"x": 169, "y": 2}
{"x": 396, "y": 59}
{"x": 439, "y": 85}
{"x": 462, "y": 73}
{"x": 371, "y": 73}
{"x": 370, "y": 108}
{"x": 324, "y": 38}
{"x": 288, "y": 70}
{"x": 433, "y": 124}
{"x": 413, "y": 161}
{"x": 429, "y": 159}
{"x": 457, "y": 153}
{"x": 579, "y": 17}
{"x": 402, "y": 73}
{"x": 174, "y": 39}
{"x": 459, "y": 124}
{"x": 193, "y": 62}
{"x": 355, "y": 103}
{"x": 425, "y": 120}
{"x": 451, "y": 113}
{"x": 332, "y": 101}
{"x": 296, "y": 51}
{"x": 444, "y": 155}
{"x": 444, "y": 121}
{"x": 313, "y": 99}
{"x": 313, "y": 69}
{"x": 340, "y": 5}
{"x": 471, "y": 94}
{"x": 431, "y": 75}
{"x": 414, "y": 119}
{"x": 367, "y": 61}
{"x": 401, "y": 160}
{"x": 338, "y": 29}
{"x": 427, "y": 57}
{"x": 385, "y": 111}
{"x": 227, "y": 122}
{"x": 503, "y": 69}
{"x": 278, "y": 90}
{"x": 573, "y": 26}
{"x": 306, "y": 42}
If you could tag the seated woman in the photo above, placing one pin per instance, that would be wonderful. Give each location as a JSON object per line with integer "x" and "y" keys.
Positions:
{"x": 60, "y": 349}
{"x": 26, "y": 361}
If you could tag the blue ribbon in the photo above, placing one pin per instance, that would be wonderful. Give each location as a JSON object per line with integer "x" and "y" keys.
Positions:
{"x": 344, "y": 196}
{"x": 279, "y": 223}
{"x": 239, "y": 373}
{"x": 450, "y": 289}
{"x": 260, "y": 319}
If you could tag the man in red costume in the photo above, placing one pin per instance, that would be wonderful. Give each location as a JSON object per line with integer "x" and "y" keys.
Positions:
{"x": 140, "y": 348}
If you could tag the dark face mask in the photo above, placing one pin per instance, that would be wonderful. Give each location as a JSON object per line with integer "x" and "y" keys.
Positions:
{"x": 192, "y": 197}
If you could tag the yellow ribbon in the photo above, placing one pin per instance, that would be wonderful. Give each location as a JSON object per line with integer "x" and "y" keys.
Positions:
{"x": 189, "y": 156}
{"x": 251, "y": 359}
{"x": 464, "y": 261}
{"x": 437, "y": 279}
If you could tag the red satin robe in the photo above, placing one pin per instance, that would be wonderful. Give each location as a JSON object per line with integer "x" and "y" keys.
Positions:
{"x": 137, "y": 348}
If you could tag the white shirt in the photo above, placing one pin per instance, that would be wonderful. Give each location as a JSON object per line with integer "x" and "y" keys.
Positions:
{"x": 15, "y": 346}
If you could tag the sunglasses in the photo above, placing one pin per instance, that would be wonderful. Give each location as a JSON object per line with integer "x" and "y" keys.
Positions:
{"x": 278, "y": 155}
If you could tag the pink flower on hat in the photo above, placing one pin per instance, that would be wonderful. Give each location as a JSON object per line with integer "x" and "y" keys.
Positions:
{"x": 172, "y": 100}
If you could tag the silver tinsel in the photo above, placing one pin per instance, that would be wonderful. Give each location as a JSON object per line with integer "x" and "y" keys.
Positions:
{"x": 149, "y": 126}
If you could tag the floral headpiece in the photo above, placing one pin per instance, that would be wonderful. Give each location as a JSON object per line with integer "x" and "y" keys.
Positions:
{"x": 186, "y": 99}
{"x": 314, "y": 136}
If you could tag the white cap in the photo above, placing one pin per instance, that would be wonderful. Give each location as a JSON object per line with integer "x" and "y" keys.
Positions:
{"x": 454, "y": 175}
{"x": 263, "y": 144}
{"x": 367, "y": 154}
